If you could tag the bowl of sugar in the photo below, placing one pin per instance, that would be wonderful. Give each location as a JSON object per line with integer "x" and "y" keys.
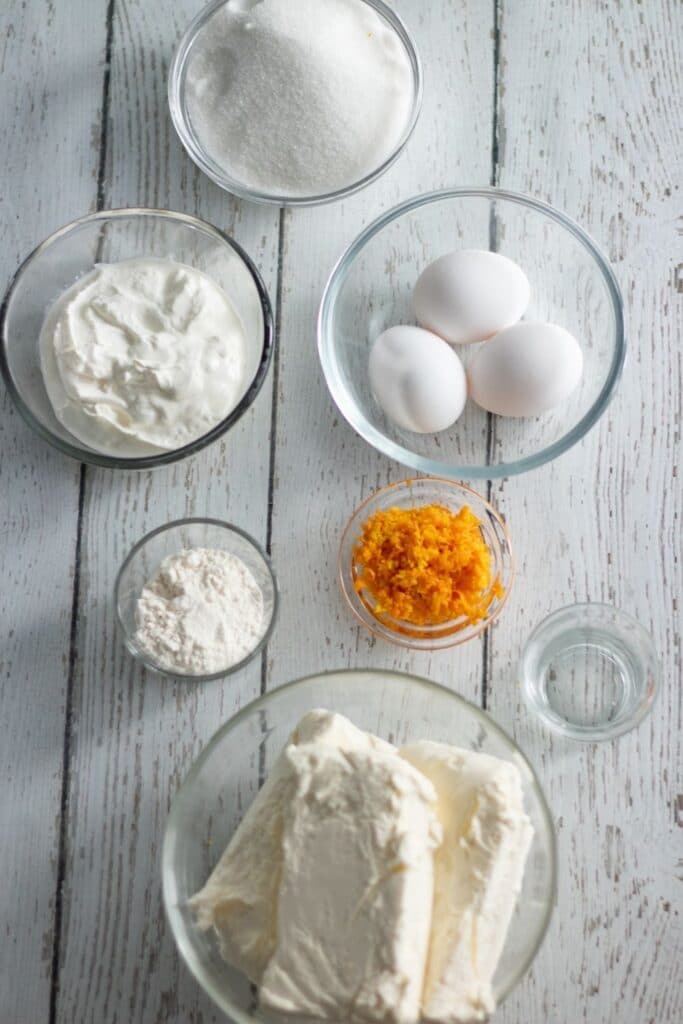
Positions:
{"x": 295, "y": 103}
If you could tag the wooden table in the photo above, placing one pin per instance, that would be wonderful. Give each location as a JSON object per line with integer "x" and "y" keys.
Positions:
{"x": 575, "y": 103}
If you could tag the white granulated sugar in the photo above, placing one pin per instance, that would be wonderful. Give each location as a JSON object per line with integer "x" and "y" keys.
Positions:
{"x": 298, "y": 97}
{"x": 201, "y": 613}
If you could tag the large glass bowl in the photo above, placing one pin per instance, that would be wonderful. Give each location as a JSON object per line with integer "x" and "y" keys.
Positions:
{"x": 109, "y": 236}
{"x": 177, "y": 101}
{"x": 370, "y": 290}
{"x": 226, "y": 776}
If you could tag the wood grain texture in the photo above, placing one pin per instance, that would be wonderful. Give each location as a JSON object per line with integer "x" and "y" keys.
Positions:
{"x": 134, "y": 734}
{"x": 589, "y": 122}
{"x": 585, "y": 118}
{"x": 51, "y": 88}
{"x": 322, "y": 469}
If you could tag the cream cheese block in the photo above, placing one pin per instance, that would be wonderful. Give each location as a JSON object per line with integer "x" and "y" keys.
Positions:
{"x": 478, "y": 871}
{"x": 324, "y": 894}
{"x": 239, "y": 900}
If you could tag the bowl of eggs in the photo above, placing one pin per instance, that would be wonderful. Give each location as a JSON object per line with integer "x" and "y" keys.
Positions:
{"x": 472, "y": 333}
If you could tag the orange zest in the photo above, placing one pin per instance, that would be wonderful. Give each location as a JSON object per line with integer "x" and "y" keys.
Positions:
{"x": 425, "y": 565}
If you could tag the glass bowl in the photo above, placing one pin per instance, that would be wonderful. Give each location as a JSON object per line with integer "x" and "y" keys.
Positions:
{"x": 182, "y": 122}
{"x": 226, "y": 777}
{"x": 370, "y": 290}
{"x": 408, "y": 494}
{"x": 109, "y": 236}
{"x": 590, "y": 672}
{"x": 144, "y": 560}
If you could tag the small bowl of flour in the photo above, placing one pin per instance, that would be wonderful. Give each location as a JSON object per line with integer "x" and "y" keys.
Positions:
{"x": 196, "y": 599}
{"x": 295, "y": 102}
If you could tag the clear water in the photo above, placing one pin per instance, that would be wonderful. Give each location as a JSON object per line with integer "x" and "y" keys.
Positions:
{"x": 589, "y": 679}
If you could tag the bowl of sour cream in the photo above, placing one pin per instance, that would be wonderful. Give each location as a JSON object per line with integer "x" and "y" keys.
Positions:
{"x": 133, "y": 338}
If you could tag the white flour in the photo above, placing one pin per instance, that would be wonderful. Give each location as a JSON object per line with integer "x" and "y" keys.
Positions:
{"x": 299, "y": 97}
{"x": 201, "y": 613}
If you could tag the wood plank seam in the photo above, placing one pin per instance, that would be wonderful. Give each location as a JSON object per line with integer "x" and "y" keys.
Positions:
{"x": 493, "y": 181}
{"x": 75, "y": 605}
{"x": 273, "y": 417}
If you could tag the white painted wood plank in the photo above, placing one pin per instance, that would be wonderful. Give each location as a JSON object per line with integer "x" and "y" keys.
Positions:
{"x": 322, "y": 469}
{"x": 589, "y": 121}
{"x": 135, "y": 735}
{"x": 51, "y": 86}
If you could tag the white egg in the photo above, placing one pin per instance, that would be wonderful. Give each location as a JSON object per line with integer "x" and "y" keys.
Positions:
{"x": 525, "y": 369}
{"x": 469, "y": 295}
{"x": 417, "y": 379}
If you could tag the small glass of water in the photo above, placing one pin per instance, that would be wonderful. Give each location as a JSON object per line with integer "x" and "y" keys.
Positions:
{"x": 590, "y": 671}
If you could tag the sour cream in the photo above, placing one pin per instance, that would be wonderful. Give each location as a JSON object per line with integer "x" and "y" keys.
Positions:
{"x": 143, "y": 356}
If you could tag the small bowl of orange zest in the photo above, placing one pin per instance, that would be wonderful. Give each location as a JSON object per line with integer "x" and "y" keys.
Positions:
{"x": 426, "y": 563}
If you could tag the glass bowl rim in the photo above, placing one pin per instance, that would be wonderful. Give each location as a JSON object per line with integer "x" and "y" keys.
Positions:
{"x": 172, "y": 829}
{"x": 591, "y": 733}
{"x": 149, "y": 662}
{"x": 356, "y": 418}
{"x": 91, "y": 456}
{"x": 383, "y": 629}
{"x": 237, "y": 188}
